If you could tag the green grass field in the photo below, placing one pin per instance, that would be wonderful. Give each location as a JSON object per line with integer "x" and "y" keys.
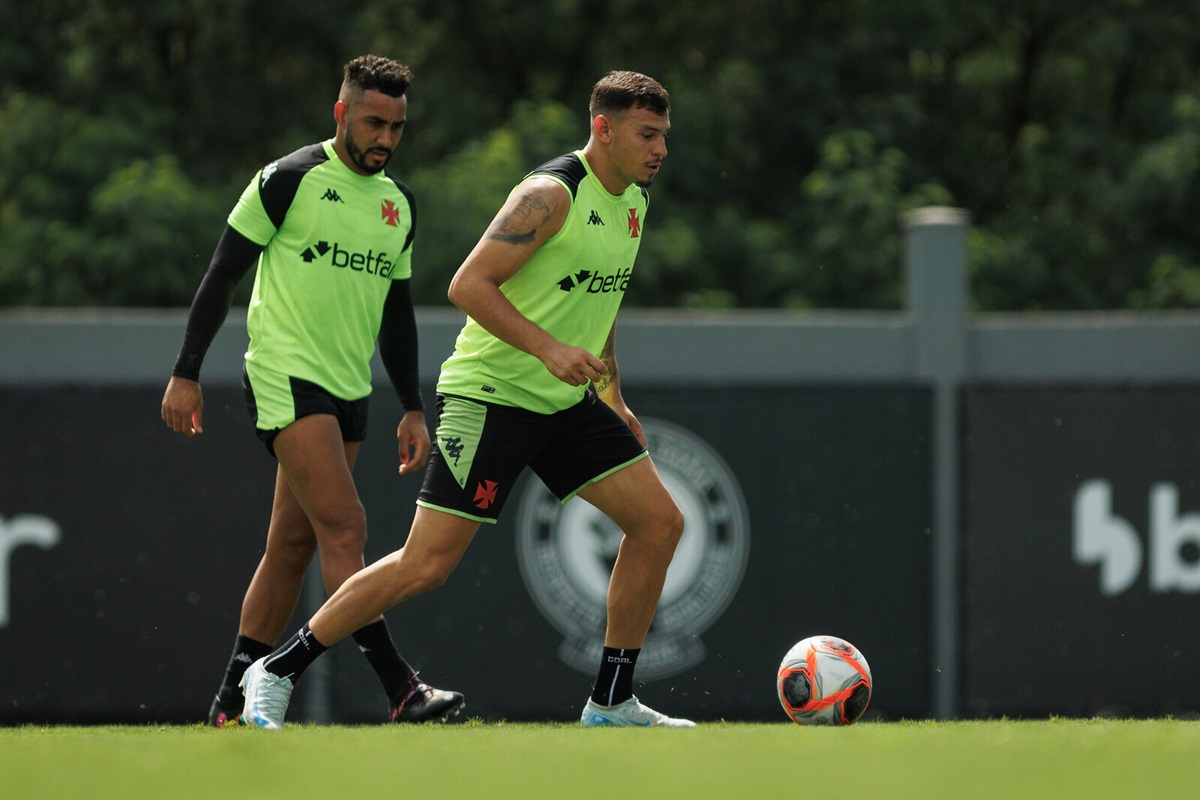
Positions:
{"x": 996, "y": 759}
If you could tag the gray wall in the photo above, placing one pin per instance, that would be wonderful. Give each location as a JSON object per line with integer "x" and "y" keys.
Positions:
{"x": 935, "y": 343}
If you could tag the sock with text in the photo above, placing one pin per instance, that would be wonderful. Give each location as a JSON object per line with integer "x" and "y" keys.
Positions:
{"x": 295, "y": 655}
{"x": 614, "y": 682}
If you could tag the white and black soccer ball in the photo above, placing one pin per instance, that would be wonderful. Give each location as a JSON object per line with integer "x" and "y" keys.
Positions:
{"x": 824, "y": 680}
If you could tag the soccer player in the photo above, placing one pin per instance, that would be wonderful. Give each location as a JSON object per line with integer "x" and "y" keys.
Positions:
{"x": 533, "y": 382}
{"x": 331, "y": 232}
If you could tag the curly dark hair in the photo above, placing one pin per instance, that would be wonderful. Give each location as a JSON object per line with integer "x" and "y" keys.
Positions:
{"x": 378, "y": 73}
{"x": 621, "y": 90}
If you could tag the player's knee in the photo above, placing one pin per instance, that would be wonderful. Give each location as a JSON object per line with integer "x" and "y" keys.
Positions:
{"x": 410, "y": 576}
{"x": 665, "y": 526}
{"x": 346, "y": 533}
{"x": 673, "y": 524}
{"x": 295, "y": 555}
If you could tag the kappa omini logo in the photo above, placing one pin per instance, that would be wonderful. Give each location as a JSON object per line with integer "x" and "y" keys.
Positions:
{"x": 566, "y": 553}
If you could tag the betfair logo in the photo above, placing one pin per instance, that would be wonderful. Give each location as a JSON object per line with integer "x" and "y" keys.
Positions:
{"x": 369, "y": 262}
{"x": 332, "y": 196}
{"x": 595, "y": 283}
{"x": 594, "y": 219}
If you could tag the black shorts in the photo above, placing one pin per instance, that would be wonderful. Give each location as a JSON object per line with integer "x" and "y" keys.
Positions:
{"x": 480, "y": 449}
{"x": 276, "y": 401}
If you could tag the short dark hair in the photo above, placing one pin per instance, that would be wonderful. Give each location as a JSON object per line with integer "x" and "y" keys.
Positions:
{"x": 621, "y": 90}
{"x": 378, "y": 73}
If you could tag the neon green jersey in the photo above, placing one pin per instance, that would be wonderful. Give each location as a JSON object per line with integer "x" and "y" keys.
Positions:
{"x": 334, "y": 241}
{"x": 572, "y": 288}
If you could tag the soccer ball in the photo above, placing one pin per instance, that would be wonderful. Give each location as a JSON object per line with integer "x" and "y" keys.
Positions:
{"x": 824, "y": 680}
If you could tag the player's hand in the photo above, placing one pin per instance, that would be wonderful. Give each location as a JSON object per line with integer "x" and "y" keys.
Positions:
{"x": 622, "y": 411}
{"x": 412, "y": 440}
{"x": 183, "y": 406}
{"x": 573, "y": 365}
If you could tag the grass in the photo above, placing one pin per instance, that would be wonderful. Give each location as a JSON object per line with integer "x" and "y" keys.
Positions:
{"x": 1053, "y": 758}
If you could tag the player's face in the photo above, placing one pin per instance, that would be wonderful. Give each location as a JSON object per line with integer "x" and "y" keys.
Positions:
{"x": 370, "y": 126}
{"x": 640, "y": 145}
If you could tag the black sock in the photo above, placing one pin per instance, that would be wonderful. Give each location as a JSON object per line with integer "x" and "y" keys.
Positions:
{"x": 291, "y": 659}
{"x": 245, "y": 652}
{"x": 614, "y": 682}
{"x": 375, "y": 642}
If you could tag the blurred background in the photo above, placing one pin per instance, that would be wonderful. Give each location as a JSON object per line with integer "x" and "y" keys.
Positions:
{"x": 801, "y": 130}
{"x": 919, "y": 282}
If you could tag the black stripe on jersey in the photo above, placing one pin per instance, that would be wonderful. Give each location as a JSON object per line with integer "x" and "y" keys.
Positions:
{"x": 568, "y": 169}
{"x": 412, "y": 209}
{"x": 280, "y": 180}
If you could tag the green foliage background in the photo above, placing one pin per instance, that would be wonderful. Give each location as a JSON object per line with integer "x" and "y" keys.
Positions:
{"x": 802, "y": 131}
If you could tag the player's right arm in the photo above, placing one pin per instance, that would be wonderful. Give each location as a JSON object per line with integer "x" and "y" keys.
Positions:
{"x": 533, "y": 213}
{"x": 183, "y": 401}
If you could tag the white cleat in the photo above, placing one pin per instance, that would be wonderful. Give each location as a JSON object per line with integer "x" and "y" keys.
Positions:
{"x": 630, "y": 714}
{"x": 267, "y": 697}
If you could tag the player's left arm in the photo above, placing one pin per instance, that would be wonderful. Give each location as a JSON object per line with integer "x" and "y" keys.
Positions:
{"x": 399, "y": 352}
{"x": 608, "y": 385}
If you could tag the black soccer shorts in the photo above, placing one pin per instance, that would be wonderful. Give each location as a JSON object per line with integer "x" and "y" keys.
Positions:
{"x": 275, "y": 401}
{"x": 480, "y": 449}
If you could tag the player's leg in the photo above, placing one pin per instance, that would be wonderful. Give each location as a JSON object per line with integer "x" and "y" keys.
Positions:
{"x": 271, "y": 597}
{"x": 323, "y": 486}
{"x": 463, "y": 487}
{"x": 435, "y": 545}
{"x": 637, "y": 501}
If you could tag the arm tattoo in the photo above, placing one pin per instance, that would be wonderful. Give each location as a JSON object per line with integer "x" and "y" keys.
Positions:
{"x": 520, "y": 225}
{"x": 609, "y": 357}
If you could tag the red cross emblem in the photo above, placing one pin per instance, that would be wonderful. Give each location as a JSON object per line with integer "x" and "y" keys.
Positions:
{"x": 485, "y": 493}
{"x": 391, "y": 214}
{"x": 635, "y": 225}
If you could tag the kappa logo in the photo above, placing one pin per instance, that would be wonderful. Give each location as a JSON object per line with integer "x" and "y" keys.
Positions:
{"x": 566, "y": 552}
{"x": 594, "y": 219}
{"x": 453, "y": 447}
{"x": 332, "y": 196}
{"x": 268, "y": 171}
{"x": 596, "y": 283}
{"x": 635, "y": 225}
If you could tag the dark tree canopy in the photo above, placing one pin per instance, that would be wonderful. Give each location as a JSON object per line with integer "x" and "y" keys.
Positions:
{"x": 801, "y": 132}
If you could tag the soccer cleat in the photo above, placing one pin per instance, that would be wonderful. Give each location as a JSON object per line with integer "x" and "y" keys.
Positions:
{"x": 226, "y": 708}
{"x": 630, "y": 714}
{"x": 422, "y": 703}
{"x": 267, "y": 697}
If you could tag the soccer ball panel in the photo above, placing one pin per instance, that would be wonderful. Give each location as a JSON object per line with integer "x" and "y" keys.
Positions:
{"x": 824, "y": 680}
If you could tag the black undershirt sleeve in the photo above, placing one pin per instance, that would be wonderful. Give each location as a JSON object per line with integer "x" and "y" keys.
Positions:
{"x": 398, "y": 345}
{"x": 234, "y": 257}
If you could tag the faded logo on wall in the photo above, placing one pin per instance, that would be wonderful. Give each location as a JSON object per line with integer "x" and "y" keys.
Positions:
{"x": 14, "y": 532}
{"x": 1171, "y": 552}
{"x": 566, "y": 553}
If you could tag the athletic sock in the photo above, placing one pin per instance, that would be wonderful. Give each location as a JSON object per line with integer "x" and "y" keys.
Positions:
{"x": 293, "y": 657}
{"x": 614, "y": 682}
{"x": 375, "y": 642}
{"x": 245, "y": 652}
